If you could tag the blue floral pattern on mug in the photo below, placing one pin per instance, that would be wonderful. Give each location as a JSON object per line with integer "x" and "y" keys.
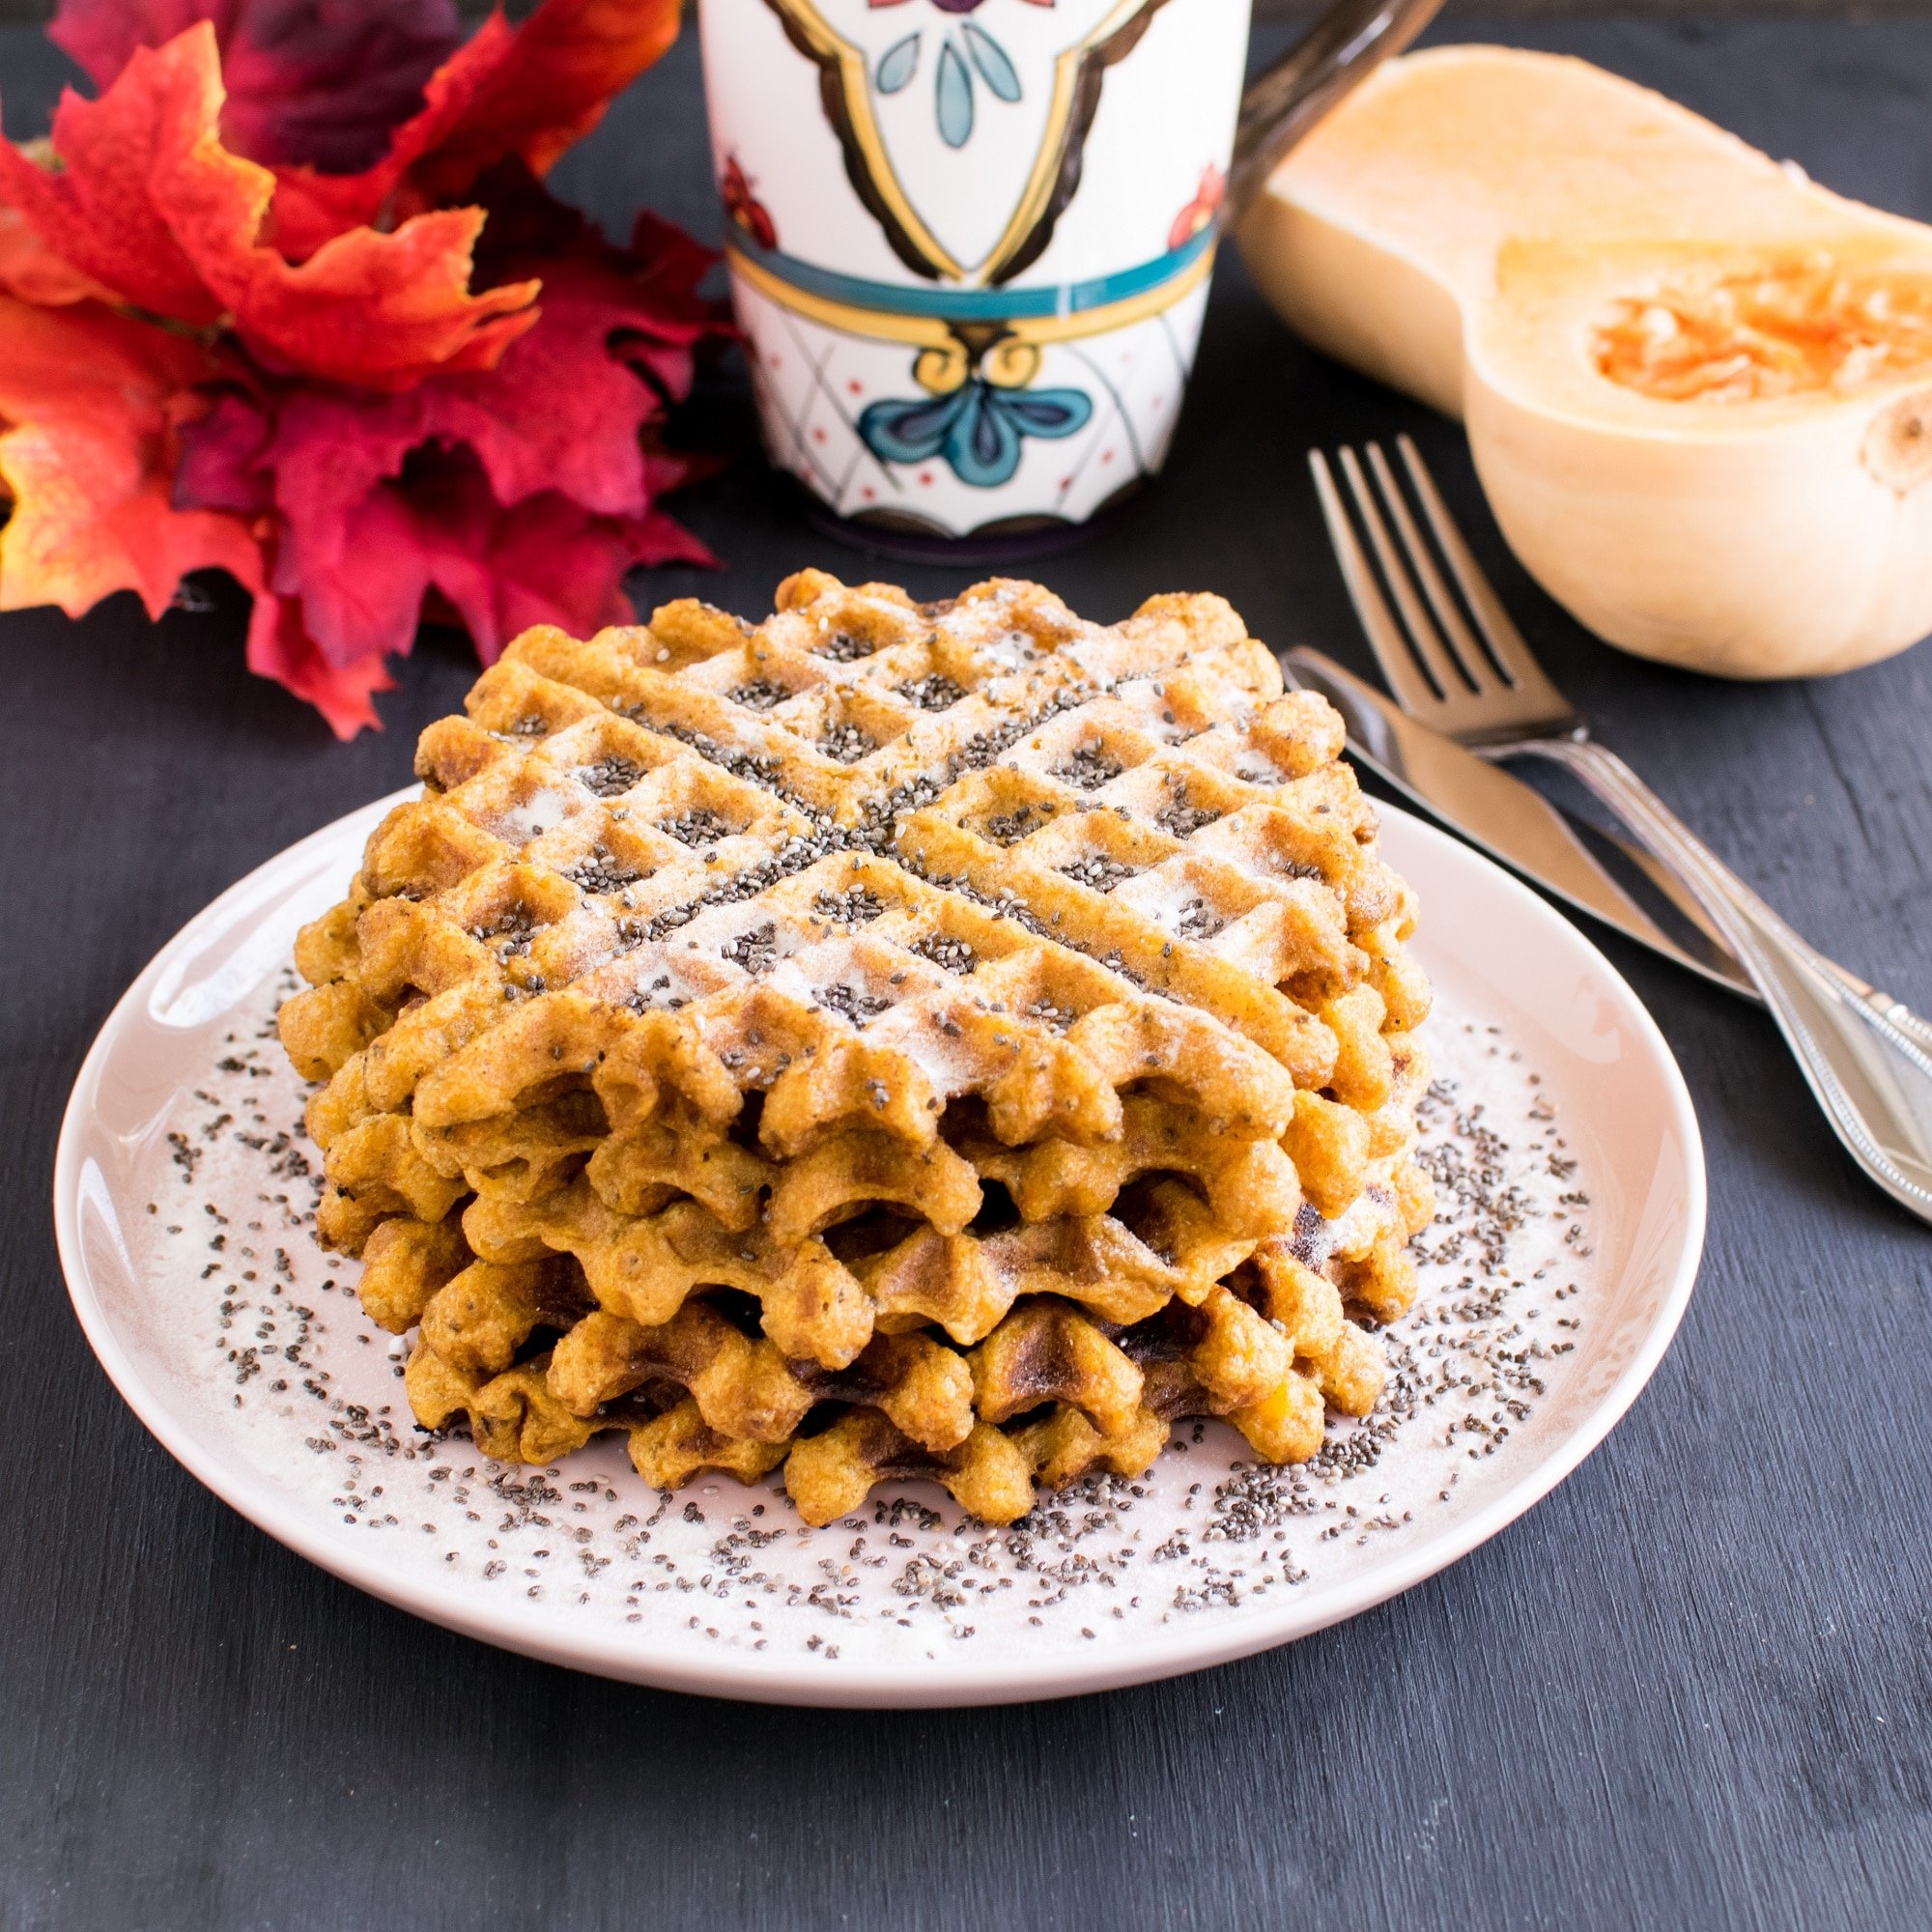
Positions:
{"x": 971, "y": 52}
{"x": 979, "y": 429}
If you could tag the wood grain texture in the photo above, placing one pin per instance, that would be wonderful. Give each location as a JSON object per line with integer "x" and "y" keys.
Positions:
{"x": 1690, "y": 1688}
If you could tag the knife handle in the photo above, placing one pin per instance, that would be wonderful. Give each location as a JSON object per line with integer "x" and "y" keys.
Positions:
{"x": 1867, "y": 1056}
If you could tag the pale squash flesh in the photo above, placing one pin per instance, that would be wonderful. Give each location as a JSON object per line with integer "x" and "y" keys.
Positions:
{"x": 1698, "y": 387}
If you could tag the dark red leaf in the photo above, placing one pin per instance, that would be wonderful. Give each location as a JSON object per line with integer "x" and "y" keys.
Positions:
{"x": 525, "y": 93}
{"x": 321, "y": 82}
{"x": 535, "y": 93}
{"x": 280, "y": 648}
{"x": 149, "y": 204}
{"x": 518, "y": 495}
{"x": 363, "y": 567}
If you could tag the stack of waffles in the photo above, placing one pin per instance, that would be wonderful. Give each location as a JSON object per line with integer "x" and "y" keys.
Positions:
{"x": 890, "y": 1041}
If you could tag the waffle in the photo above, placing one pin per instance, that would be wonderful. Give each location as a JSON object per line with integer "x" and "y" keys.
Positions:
{"x": 777, "y": 1043}
{"x": 1066, "y": 1391}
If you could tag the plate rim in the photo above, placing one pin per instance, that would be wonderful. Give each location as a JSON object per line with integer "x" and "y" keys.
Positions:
{"x": 519, "y": 1628}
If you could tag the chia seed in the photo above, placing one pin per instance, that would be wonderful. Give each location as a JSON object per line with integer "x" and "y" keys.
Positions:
{"x": 855, "y": 907}
{"x": 953, "y": 955}
{"x": 1197, "y": 920}
{"x": 932, "y": 693}
{"x": 842, "y": 647}
{"x": 1089, "y": 767}
{"x": 700, "y": 826}
{"x": 759, "y": 695}
{"x": 1099, "y": 872}
{"x": 602, "y": 873}
{"x": 855, "y": 1006}
{"x": 755, "y": 950}
{"x": 1009, "y": 828}
{"x": 516, "y": 925}
{"x": 847, "y": 743}
{"x": 1059, "y": 1018}
{"x": 610, "y": 777}
{"x": 1183, "y": 819}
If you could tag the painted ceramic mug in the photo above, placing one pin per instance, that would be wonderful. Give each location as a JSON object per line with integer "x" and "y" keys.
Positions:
{"x": 970, "y": 243}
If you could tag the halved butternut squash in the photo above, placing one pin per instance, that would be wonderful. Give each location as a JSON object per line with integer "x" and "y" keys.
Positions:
{"x": 1698, "y": 387}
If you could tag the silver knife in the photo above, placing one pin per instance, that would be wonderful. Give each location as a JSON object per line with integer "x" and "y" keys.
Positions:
{"x": 1509, "y": 820}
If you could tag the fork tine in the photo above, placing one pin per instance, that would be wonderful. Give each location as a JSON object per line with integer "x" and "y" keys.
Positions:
{"x": 1377, "y": 620}
{"x": 1513, "y": 656}
{"x": 1478, "y": 673}
{"x": 1423, "y": 639}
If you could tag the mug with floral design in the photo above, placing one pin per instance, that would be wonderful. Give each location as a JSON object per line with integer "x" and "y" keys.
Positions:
{"x": 970, "y": 243}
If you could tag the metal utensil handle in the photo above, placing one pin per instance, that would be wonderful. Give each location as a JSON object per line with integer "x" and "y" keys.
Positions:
{"x": 1867, "y": 1056}
{"x": 1341, "y": 48}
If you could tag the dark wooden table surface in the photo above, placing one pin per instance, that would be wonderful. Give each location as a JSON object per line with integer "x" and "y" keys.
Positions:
{"x": 1691, "y": 1687}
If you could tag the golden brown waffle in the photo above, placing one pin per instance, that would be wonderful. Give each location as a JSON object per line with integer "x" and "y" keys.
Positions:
{"x": 1049, "y": 1394}
{"x": 751, "y": 1026}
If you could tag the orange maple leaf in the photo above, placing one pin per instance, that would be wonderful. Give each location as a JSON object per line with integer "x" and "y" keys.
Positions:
{"x": 96, "y": 211}
{"x": 514, "y": 497}
{"x": 149, "y": 204}
{"x": 531, "y": 93}
{"x": 91, "y": 405}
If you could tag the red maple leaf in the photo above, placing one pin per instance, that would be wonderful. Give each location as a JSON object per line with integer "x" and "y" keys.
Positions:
{"x": 524, "y": 93}
{"x": 98, "y": 210}
{"x": 371, "y": 521}
{"x": 90, "y": 409}
{"x": 531, "y": 93}
{"x": 352, "y": 432}
{"x": 440, "y": 527}
{"x": 151, "y": 205}
{"x": 30, "y": 269}
{"x": 315, "y": 82}
{"x": 278, "y": 647}
{"x": 522, "y": 489}
{"x": 93, "y": 405}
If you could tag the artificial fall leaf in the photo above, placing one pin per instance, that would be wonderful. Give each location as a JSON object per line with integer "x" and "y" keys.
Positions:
{"x": 525, "y": 93}
{"x": 30, "y": 269}
{"x": 312, "y": 82}
{"x": 534, "y": 91}
{"x": 280, "y": 648}
{"x": 369, "y": 527}
{"x": 563, "y": 414}
{"x": 361, "y": 485}
{"x": 151, "y": 205}
{"x": 98, "y": 210}
{"x": 91, "y": 404}
{"x": 371, "y": 458}
{"x": 564, "y": 407}
{"x": 382, "y": 310}
{"x": 440, "y": 527}
{"x": 219, "y": 469}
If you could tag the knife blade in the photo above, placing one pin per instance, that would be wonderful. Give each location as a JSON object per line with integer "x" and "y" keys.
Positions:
{"x": 1508, "y": 819}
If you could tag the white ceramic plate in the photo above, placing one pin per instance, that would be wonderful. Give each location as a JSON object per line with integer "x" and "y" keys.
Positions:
{"x": 1573, "y": 1192}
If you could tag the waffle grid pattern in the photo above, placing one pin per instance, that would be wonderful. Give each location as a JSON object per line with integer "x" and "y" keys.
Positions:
{"x": 947, "y": 1041}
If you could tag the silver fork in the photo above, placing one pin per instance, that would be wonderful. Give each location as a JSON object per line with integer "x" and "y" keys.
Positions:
{"x": 1458, "y": 664}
